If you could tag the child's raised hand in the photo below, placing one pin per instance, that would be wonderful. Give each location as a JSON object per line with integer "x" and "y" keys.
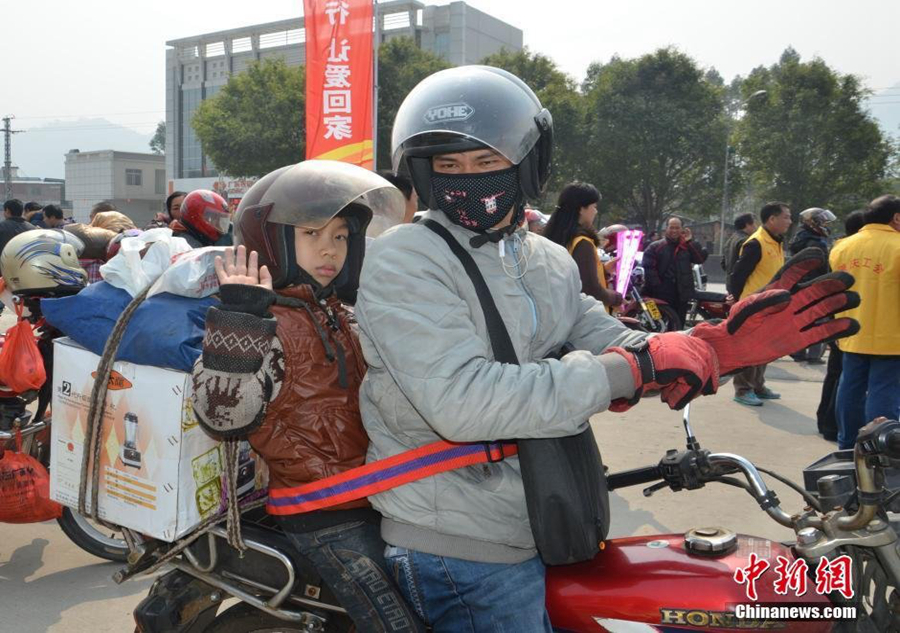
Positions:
{"x": 237, "y": 268}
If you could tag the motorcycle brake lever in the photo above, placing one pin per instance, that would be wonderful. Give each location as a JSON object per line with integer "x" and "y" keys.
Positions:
{"x": 654, "y": 488}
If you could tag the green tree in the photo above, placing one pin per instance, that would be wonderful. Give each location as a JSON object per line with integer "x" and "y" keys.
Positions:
{"x": 559, "y": 94}
{"x": 158, "y": 142}
{"x": 255, "y": 124}
{"x": 810, "y": 141}
{"x": 401, "y": 65}
{"x": 655, "y": 136}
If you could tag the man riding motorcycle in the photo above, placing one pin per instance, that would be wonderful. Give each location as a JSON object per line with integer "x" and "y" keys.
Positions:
{"x": 477, "y": 142}
{"x": 814, "y": 231}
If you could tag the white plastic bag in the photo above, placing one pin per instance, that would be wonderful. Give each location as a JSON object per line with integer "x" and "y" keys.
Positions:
{"x": 130, "y": 271}
{"x": 192, "y": 274}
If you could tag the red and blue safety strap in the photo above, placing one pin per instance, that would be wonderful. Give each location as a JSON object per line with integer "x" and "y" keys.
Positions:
{"x": 385, "y": 474}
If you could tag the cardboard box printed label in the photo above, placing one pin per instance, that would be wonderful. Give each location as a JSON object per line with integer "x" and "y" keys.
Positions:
{"x": 161, "y": 475}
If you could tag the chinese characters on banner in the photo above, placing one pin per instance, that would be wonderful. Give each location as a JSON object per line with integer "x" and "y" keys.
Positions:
{"x": 339, "y": 80}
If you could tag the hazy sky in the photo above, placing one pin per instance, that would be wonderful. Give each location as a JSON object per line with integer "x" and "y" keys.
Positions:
{"x": 65, "y": 58}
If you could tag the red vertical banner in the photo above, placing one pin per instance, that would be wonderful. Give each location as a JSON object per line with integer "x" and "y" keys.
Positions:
{"x": 339, "y": 80}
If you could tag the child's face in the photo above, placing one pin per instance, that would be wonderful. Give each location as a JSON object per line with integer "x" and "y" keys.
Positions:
{"x": 322, "y": 252}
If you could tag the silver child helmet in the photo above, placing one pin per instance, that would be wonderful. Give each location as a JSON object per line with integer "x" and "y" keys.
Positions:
{"x": 467, "y": 108}
{"x": 310, "y": 194}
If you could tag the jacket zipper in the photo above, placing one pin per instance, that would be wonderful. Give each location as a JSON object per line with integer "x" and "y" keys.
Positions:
{"x": 534, "y": 316}
{"x": 330, "y": 317}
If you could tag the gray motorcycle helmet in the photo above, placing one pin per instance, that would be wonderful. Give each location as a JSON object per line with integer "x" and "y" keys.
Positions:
{"x": 817, "y": 217}
{"x": 472, "y": 107}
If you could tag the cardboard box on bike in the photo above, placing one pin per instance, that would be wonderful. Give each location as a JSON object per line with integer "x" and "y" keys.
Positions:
{"x": 160, "y": 474}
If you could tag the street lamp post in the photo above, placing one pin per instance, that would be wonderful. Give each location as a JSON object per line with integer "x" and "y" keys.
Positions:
{"x": 756, "y": 94}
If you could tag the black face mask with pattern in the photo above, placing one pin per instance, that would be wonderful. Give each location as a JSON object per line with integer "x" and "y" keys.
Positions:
{"x": 477, "y": 201}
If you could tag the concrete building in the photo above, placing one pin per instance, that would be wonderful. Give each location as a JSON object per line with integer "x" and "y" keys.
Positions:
{"x": 135, "y": 183}
{"x": 26, "y": 188}
{"x": 197, "y": 67}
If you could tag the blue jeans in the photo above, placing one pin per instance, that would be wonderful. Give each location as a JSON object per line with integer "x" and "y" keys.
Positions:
{"x": 460, "y": 596}
{"x": 350, "y": 558}
{"x": 869, "y": 388}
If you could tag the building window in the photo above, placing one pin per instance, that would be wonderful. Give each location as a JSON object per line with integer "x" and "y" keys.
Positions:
{"x": 442, "y": 45}
{"x": 160, "y": 188}
{"x": 191, "y": 161}
{"x": 134, "y": 177}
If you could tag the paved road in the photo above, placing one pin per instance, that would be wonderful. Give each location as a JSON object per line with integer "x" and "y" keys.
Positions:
{"x": 47, "y": 584}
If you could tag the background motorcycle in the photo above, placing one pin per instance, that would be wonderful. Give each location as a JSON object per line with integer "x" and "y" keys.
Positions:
{"x": 649, "y": 583}
{"x": 706, "y": 305}
{"x": 35, "y": 429}
{"x": 654, "y": 315}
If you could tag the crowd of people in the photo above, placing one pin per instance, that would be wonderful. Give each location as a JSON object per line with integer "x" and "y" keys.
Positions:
{"x": 751, "y": 256}
{"x": 205, "y": 222}
{"x": 319, "y": 390}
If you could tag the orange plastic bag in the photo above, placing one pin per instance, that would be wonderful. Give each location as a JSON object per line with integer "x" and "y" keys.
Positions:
{"x": 21, "y": 365}
{"x": 25, "y": 489}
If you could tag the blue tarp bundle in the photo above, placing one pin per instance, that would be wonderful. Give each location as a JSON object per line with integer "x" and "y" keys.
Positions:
{"x": 165, "y": 331}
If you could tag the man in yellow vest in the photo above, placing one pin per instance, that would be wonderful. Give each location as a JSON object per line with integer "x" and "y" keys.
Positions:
{"x": 760, "y": 257}
{"x": 870, "y": 375}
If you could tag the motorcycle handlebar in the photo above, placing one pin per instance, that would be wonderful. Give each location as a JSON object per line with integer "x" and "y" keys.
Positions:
{"x": 767, "y": 499}
{"x": 634, "y": 477}
{"x": 757, "y": 487}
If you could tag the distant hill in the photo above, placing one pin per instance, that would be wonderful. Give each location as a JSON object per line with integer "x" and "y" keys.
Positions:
{"x": 885, "y": 107}
{"x": 40, "y": 151}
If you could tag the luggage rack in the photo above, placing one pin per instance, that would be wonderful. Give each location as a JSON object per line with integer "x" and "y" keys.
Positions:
{"x": 27, "y": 430}
{"x": 248, "y": 589}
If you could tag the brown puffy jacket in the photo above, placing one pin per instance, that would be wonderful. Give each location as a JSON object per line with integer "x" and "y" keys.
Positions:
{"x": 313, "y": 429}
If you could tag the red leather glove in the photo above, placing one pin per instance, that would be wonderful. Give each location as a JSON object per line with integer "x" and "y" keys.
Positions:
{"x": 673, "y": 364}
{"x": 797, "y": 268}
{"x": 785, "y": 317}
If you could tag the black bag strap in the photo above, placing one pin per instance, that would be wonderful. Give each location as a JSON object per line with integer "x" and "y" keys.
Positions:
{"x": 499, "y": 335}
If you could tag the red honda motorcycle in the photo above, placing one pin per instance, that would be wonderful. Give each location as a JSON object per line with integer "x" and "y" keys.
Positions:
{"x": 670, "y": 582}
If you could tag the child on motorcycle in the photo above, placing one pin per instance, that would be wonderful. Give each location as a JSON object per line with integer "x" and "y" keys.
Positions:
{"x": 282, "y": 365}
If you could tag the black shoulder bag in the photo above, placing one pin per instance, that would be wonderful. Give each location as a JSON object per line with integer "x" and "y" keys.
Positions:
{"x": 565, "y": 485}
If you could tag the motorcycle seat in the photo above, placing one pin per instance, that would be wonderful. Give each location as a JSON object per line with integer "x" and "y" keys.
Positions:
{"x": 703, "y": 295}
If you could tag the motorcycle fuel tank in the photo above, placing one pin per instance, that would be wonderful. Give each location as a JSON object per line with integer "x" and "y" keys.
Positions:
{"x": 652, "y": 583}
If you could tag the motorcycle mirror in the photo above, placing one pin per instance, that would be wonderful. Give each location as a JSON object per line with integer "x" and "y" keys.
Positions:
{"x": 692, "y": 443}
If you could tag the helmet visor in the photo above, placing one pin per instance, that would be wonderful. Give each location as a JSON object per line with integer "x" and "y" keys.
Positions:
{"x": 817, "y": 216}
{"x": 221, "y": 222}
{"x": 311, "y": 193}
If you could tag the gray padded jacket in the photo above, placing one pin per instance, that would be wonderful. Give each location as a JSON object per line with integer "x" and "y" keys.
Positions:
{"x": 432, "y": 375}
